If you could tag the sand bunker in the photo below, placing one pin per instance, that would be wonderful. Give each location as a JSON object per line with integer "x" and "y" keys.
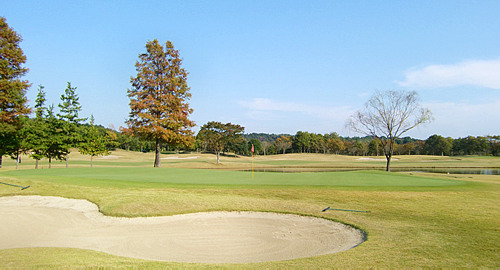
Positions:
{"x": 214, "y": 237}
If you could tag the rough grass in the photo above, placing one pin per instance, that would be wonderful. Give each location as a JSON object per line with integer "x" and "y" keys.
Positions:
{"x": 416, "y": 220}
{"x": 306, "y": 162}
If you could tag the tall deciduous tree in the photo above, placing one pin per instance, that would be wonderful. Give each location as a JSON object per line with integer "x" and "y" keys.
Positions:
{"x": 216, "y": 136}
{"x": 257, "y": 146}
{"x": 68, "y": 113}
{"x": 387, "y": 115}
{"x": 159, "y": 108}
{"x": 438, "y": 145}
{"x": 283, "y": 143}
{"x": 12, "y": 89}
{"x": 335, "y": 144}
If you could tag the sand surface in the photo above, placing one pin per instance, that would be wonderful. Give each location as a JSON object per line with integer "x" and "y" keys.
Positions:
{"x": 213, "y": 237}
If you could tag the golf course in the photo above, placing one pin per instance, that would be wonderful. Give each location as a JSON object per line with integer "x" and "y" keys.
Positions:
{"x": 410, "y": 219}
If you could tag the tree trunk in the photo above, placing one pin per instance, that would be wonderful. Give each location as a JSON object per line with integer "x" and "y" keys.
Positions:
{"x": 50, "y": 162}
{"x": 388, "y": 166}
{"x": 66, "y": 161}
{"x": 1, "y": 159}
{"x": 36, "y": 163}
{"x": 157, "y": 154}
{"x": 218, "y": 155}
{"x": 388, "y": 156}
{"x": 91, "y": 161}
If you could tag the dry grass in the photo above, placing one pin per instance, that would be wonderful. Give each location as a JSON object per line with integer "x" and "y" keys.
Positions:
{"x": 407, "y": 227}
{"x": 308, "y": 162}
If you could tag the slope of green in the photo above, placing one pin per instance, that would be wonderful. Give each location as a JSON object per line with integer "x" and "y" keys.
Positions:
{"x": 113, "y": 175}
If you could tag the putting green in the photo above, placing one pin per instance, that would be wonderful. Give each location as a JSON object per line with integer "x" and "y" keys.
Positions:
{"x": 176, "y": 176}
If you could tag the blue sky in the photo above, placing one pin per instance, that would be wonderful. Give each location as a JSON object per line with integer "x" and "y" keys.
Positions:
{"x": 274, "y": 66}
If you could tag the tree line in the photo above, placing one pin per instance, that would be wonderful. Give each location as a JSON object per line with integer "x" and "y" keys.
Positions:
{"x": 54, "y": 135}
{"x": 213, "y": 137}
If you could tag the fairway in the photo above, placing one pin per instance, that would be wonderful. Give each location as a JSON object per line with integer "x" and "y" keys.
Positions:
{"x": 414, "y": 220}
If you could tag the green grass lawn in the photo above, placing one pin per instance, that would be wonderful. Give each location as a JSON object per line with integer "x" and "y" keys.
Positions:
{"x": 416, "y": 220}
{"x": 202, "y": 177}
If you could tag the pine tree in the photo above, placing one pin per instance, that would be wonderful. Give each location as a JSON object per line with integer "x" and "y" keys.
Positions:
{"x": 12, "y": 89}
{"x": 68, "y": 113}
{"x": 94, "y": 143}
{"x": 70, "y": 106}
{"x": 158, "y": 99}
{"x": 36, "y": 130}
{"x": 56, "y": 147}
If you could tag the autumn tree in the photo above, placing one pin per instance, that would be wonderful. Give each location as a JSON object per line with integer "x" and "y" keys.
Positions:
{"x": 159, "y": 107}
{"x": 94, "y": 143}
{"x": 283, "y": 143}
{"x": 12, "y": 89}
{"x": 334, "y": 144}
{"x": 386, "y": 116}
{"x": 216, "y": 136}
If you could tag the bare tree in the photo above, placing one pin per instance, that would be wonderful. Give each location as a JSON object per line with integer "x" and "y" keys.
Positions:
{"x": 387, "y": 115}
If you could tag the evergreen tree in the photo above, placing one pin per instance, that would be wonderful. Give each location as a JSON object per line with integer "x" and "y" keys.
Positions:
{"x": 438, "y": 145}
{"x": 94, "y": 143}
{"x": 374, "y": 148}
{"x": 12, "y": 90}
{"x": 68, "y": 114}
{"x": 159, "y": 109}
{"x": 37, "y": 130}
{"x": 257, "y": 146}
{"x": 70, "y": 106}
{"x": 56, "y": 147}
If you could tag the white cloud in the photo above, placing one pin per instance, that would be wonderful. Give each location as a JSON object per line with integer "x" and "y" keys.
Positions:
{"x": 483, "y": 73}
{"x": 461, "y": 119}
{"x": 263, "y": 106}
